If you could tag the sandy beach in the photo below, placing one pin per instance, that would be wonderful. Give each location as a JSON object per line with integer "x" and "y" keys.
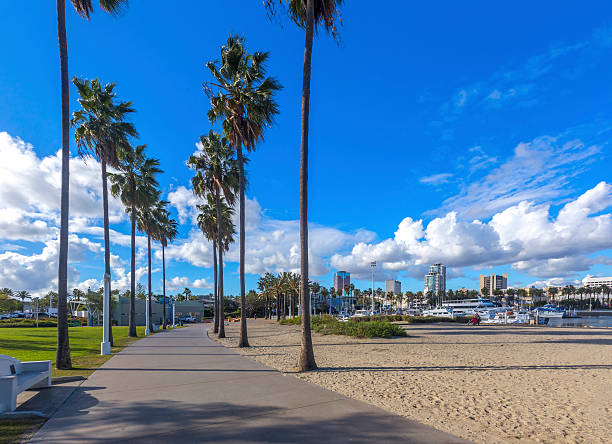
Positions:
{"x": 488, "y": 384}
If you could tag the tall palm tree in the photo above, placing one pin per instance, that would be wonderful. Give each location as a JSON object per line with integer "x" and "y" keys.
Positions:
{"x": 83, "y": 8}
{"x": 167, "y": 230}
{"x": 308, "y": 15}
{"x": 241, "y": 96}
{"x": 135, "y": 185}
{"x": 101, "y": 131}
{"x": 149, "y": 222}
{"x": 216, "y": 173}
{"x": 207, "y": 221}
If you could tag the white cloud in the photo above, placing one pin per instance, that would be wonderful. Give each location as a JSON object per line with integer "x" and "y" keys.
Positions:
{"x": 524, "y": 235}
{"x": 540, "y": 170}
{"x": 29, "y": 211}
{"x": 271, "y": 244}
{"x": 181, "y": 282}
{"x": 30, "y": 192}
{"x": 37, "y": 272}
{"x": 436, "y": 179}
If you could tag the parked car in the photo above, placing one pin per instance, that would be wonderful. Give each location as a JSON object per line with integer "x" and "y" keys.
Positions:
{"x": 187, "y": 319}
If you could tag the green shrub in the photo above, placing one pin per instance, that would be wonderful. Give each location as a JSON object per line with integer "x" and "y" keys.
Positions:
{"x": 297, "y": 320}
{"x": 360, "y": 329}
{"x": 21, "y": 322}
{"x": 432, "y": 319}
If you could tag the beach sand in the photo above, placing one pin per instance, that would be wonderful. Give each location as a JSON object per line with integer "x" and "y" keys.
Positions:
{"x": 488, "y": 384}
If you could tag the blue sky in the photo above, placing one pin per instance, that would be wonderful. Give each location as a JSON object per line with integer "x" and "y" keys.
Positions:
{"x": 442, "y": 113}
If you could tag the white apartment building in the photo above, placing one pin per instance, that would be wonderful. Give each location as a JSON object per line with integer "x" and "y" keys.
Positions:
{"x": 597, "y": 281}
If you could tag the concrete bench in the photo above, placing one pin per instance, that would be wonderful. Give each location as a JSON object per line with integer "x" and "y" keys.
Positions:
{"x": 17, "y": 376}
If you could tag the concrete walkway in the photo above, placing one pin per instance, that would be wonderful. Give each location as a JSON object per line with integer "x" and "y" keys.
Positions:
{"x": 181, "y": 386}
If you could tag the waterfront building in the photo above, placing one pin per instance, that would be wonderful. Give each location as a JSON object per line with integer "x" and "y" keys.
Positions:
{"x": 593, "y": 281}
{"x": 394, "y": 286}
{"x": 435, "y": 280}
{"x": 341, "y": 279}
{"x": 493, "y": 282}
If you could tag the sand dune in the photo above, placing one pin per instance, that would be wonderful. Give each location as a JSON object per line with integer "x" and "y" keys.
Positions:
{"x": 490, "y": 384}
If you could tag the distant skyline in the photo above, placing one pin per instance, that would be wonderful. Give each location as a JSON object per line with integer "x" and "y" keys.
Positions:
{"x": 472, "y": 135}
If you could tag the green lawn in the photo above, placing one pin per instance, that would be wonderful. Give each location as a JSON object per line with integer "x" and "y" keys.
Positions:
{"x": 37, "y": 344}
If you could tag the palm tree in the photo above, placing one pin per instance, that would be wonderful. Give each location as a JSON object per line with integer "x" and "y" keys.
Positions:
{"x": 216, "y": 173}
{"x": 166, "y": 231}
{"x": 135, "y": 185}
{"x": 242, "y": 98}
{"x": 83, "y": 8}
{"x": 207, "y": 221}
{"x": 149, "y": 221}
{"x": 101, "y": 131}
{"x": 23, "y": 295}
{"x": 308, "y": 15}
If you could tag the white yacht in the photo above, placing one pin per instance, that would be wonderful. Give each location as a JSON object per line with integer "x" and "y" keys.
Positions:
{"x": 360, "y": 313}
{"x": 551, "y": 311}
{"x": 466, "y": 307}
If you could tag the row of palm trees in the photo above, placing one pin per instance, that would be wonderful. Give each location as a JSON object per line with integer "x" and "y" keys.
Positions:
{"x": 241, "y": 98}
{"x": 570, "y": 292}
{"x": 281, "y": 293}
{"x": 102, "y": 131}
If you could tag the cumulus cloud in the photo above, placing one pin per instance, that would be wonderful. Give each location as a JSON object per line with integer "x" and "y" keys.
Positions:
{"x": 29, "y": 211}
{"x": 37, "y": 272}
{"x": 181, "y": 282}
{"x": 271, "y": 244}
{"x": 524, "y": 235}
{"x": 30, "y": 192}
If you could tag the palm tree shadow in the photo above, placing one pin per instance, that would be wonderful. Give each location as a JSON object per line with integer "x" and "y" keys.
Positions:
{"x": 231, "y": 422}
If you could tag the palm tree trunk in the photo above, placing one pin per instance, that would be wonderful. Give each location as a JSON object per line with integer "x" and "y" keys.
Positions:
{"x": 284, "y": 305}
{"x": 107, "y": 269}
{"x": 216, "y": 294}
{"x": 150, "y": 326}
{"x": 306, "y": 361}
{"x": 132, "y": 317}
{"x": 62, "y": 357}
{"x": 244, "y": 340}
{"x": 220, "y": 246}
{"x": 164, "y": 281}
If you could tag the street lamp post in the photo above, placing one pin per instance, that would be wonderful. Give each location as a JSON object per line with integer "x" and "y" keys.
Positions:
{"x": 373, "y": 265}
{"x": 173, "y": 315}
{"x": 147, "y": 302}
{"x": 105, "y": 346}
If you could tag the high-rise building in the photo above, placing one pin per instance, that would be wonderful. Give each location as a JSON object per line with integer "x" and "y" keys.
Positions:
{"x": 393, "y": 285}
{"x": 435, "y": 280}
{"x": 341, "y": 279}
{"x": 493, "y": 282}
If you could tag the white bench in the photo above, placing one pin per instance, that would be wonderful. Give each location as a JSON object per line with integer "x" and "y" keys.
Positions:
{"x": 17, "y": 376}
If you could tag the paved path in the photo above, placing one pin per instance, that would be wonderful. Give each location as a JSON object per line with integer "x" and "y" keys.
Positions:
{"x": 181, "y": 386}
